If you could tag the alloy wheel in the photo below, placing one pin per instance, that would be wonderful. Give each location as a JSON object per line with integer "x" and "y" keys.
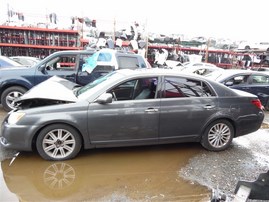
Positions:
{"x": 219, "y": 135}
{"x": 59, "y": 143}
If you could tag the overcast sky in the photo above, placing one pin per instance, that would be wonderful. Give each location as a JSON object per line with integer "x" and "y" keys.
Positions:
{"x": 234, "y": 19}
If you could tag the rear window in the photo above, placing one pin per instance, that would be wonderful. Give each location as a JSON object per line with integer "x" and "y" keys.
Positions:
{"x": 104, "y": 57}
{"x": 126, "y": 62}
{"x": 184, "y": 87}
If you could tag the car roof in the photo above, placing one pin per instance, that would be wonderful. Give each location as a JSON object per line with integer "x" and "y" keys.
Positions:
{"x": 158, "y": 72}
{"x": 91, "y": 51}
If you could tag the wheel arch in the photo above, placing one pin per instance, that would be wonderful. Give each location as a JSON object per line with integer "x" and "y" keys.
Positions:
{"x": 34, "y": 138}
{"x": 229, "y": 119}
{"x": 9, "y": 85}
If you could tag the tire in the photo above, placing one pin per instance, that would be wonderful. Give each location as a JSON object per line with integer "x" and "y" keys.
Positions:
{"x": 218, "y": 135}
{"x": 9, "y": 95}
{"x": 58, "y": 142}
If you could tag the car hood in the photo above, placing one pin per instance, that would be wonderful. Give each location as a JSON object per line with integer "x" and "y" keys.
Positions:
{"x": 14, "y": 67}
{"x": 54, "y": 88}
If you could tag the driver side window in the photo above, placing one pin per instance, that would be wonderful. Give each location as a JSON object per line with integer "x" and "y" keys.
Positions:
{"x": 62, "y": 63}
{"x": 237, "y": 80}
{"x": 137, "y": 89}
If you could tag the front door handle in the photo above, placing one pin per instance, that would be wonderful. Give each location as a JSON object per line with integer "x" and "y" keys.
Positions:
{"x": 209, "y": 106}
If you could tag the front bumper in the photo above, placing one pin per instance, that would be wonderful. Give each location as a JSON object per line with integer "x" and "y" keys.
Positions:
{"x": 17, "y": 137}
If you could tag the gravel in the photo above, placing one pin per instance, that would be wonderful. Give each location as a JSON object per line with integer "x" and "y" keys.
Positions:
{"x": 244, "y": 160}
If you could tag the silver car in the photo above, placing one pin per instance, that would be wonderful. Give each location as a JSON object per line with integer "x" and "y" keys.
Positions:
{"x": 127, "y": 108}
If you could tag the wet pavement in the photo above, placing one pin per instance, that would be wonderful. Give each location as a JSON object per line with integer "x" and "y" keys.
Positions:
{"x": 180, "y": 172}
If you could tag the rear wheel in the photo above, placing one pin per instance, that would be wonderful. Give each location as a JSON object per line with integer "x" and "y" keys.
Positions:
{"x": 218, "y": 135}
{"x": 58, "y": 142}
{"x": 10, "y": 95}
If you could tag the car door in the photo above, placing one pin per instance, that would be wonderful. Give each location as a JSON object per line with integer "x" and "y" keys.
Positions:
{"x": 255, "y": 83}
{"x": 259, "y": 85}
{"x": 92, "y": 67}
{"x": 132, "y": 117}
{"x": 239, "y": 82}
{"x": 186, "y": 105}
{"x": 61, "y": 65}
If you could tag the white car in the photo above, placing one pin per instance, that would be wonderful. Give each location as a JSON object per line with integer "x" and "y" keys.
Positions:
{"x": 173, "y": 64}
{"x": 26, "y": 60}
{"x": 245, "y": 45}
{"x": 200, "y": 68}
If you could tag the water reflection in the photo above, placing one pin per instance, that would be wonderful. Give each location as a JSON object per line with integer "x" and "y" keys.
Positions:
{"x": 123, "y": 174}
{"x": 59, "y": 176}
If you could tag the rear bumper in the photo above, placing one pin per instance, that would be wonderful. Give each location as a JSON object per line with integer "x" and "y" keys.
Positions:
{"x": 249, "y": 124}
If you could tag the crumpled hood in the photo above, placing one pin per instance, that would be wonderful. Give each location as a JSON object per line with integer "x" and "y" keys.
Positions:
{"x": 54, "y": 88}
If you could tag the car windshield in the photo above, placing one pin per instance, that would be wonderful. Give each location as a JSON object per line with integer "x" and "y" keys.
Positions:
{"x": 94, "y": 83}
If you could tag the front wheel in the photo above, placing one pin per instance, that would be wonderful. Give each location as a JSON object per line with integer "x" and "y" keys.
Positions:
{"x": 58, "y": 142}
{"x": 218, "y": 135}
{"x": 10, "y": 95}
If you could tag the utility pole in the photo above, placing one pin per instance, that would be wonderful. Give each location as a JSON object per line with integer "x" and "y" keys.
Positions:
{"x": 207, "y": 46}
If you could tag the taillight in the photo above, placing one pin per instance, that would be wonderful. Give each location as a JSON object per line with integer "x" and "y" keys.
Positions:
{"x": 257, "y": 103}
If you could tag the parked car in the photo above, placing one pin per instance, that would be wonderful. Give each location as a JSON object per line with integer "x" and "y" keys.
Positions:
{"x": 79, "y": 66}
{"x": 128, "y": 108}
{"x": 173, "y": 64}
{"x": 198, "y": 64}
{"x": 255, "y": 82}
{"x": 201, "y": 70}
{"x": 7, "y": 62}
{"x": 26, "y": 60}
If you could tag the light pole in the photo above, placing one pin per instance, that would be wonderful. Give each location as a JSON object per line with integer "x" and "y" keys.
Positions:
{"x": 206, "y": 52}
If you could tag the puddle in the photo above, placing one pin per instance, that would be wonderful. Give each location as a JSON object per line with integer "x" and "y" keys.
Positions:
{"x": 123, "y": 174}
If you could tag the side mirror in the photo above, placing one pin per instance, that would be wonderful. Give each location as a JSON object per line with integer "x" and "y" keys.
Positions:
{"x": 229, "y": 83}
{"x": 104, "y": 98}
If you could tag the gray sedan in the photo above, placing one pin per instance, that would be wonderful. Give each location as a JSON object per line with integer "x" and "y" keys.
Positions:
{"x": 127, "y": 108}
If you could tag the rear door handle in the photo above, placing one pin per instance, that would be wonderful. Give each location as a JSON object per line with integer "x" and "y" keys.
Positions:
{"x": 151, "y": 110}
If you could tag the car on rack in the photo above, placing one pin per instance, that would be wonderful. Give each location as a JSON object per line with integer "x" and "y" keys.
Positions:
{"x": 255, "y": 82}
{"x": 129, "y": 108}
{"x": 79, "y": 66}
{"x": 251, "y": 45}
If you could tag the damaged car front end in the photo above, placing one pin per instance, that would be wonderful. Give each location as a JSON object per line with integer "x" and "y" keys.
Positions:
{"x": 54, "y": 91}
